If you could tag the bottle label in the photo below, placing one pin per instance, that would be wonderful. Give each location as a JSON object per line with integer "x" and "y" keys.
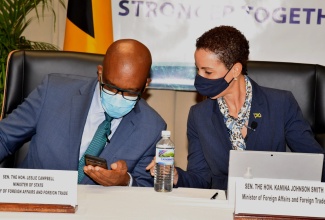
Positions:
{"x": 165, "y": 156}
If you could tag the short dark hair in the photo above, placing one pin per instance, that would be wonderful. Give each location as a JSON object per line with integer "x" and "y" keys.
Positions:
{"x": 228, "y": 43}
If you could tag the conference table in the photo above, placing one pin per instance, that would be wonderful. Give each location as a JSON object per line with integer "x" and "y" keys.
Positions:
{"x": 98, "y": 202}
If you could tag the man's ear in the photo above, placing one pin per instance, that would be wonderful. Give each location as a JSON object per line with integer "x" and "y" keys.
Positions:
{"x": 99, "y": 72}
{"x": 147, "y": 84}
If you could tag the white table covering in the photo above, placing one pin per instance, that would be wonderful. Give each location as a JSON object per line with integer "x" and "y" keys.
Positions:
{"x": 97, "y": 202}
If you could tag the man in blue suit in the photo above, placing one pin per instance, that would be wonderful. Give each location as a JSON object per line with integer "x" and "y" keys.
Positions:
{"x": 62, "y": 115}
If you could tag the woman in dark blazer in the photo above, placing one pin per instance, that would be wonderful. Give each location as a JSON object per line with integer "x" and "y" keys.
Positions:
{"x": 238, "y": 113}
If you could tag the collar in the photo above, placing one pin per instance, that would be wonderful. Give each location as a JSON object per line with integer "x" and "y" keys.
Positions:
{"x": 96, "y": 105}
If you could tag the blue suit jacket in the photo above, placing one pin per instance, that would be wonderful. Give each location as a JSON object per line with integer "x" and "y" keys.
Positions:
{"x": 279, "y": 122}
{"x": 53, "y": 117}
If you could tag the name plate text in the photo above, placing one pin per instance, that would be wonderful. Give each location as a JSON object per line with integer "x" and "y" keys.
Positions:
{"x": 38, "y": 186}
{"x": 280, "y": 197}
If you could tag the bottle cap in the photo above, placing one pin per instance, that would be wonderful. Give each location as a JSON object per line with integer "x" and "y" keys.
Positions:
{"x": 165, "y": 133}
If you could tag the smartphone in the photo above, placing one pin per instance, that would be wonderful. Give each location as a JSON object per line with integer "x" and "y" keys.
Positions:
{"x": 95, "y": 161}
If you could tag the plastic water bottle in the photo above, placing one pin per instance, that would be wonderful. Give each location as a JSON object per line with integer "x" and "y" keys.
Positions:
{"x": 164, "y": 163}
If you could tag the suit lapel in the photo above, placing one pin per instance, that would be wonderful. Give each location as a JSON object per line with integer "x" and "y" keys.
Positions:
{"x": 220, "y": 127}
{"x": 80, "y": 105}
{"x": 256, "y": 115}
{"x": 121, "y": 135}
{"x": 258, "y": 109}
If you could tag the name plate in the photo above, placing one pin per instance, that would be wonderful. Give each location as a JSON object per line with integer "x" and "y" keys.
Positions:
{"x": 280, "y": 197}
{"x": 38, "y": 186}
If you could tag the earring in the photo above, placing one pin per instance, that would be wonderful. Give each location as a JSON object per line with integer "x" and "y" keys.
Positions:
{"x": 235, "y": 78}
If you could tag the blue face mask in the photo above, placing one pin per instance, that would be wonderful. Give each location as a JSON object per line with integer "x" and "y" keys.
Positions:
{"x": 115, "y": 105}
{"x": 211, "y": 87}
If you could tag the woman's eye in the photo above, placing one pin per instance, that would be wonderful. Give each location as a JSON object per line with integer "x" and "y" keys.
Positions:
{"x": 208, "y": 72}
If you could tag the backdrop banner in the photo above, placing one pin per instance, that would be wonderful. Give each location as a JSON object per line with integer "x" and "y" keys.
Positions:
{"x": 278, "y": 30}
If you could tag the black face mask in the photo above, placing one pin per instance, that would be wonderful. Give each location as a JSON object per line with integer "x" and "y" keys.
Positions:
{"x": 211, "y": 87}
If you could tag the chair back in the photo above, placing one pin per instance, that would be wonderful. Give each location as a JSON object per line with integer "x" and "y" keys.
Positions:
{"x": 25, "y": 71}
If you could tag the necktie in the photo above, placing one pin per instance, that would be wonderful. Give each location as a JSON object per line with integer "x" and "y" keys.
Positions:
{"x": 96, "y": 145}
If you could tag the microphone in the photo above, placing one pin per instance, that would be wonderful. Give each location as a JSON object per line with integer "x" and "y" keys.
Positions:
{"x": 253, "y": 126}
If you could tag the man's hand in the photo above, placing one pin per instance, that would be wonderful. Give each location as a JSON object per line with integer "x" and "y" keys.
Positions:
{"x": 118, "y": 176}
{"x": 152, "y": 165}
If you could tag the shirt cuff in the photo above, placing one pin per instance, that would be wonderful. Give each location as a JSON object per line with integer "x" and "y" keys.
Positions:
{"x": 131, "y": 180}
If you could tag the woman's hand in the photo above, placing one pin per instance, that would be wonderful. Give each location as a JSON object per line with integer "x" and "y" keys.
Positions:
{"x": 152, "y": 165}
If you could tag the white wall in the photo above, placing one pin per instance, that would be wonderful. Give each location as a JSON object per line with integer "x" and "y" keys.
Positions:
{"x": 48, "y": 29}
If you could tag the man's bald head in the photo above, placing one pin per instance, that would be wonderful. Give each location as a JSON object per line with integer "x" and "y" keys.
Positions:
{"x": 128, "y": 51}
{"x": 126, "y": 64}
